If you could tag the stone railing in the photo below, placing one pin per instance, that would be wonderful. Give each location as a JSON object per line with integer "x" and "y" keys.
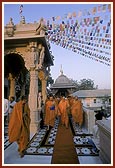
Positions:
{"x": 105, "y": 140}
{"x": 89, "y": 119}
{"x": 103, "y": 134}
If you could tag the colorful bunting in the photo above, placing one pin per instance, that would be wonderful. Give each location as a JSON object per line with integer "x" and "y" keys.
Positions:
{"x": 89, "y": 35}
{"x": 21, "y": 7}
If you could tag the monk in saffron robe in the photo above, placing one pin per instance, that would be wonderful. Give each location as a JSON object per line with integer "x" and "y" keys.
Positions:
{"x": 19, "y": 125}
{"x": 63, "y": 108}
{"x": 50, "y": 112}
{"x": 70, "y": 99}
{"x": 77, "y": 112}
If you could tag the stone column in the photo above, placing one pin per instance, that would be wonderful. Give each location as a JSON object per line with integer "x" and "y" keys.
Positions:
{"x": 12, "y": 85}
{"x": 35, "y": 116}
{"x": 43, "y": 77}
{"x": 31, "y": 60}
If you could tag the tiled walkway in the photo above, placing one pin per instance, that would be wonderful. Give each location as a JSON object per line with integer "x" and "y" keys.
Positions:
{"x": 11, "y": 155}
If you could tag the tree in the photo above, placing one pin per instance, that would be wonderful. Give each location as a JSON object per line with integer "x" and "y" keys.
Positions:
{"x": 84, "y": 84}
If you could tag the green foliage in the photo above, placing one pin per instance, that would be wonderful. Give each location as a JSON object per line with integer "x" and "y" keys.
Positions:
{"x": 84, "y": 84}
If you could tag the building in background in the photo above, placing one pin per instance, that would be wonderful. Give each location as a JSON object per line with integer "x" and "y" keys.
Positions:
{"x": 63, "y": 86}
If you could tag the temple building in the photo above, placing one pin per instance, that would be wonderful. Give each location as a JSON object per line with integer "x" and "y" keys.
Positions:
{"x": 63, "y": 86}
{"x": 27, "y": 59}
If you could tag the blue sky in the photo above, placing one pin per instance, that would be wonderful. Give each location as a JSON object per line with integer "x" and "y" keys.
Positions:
{"x": 74, "y": 66}
{"x": 33, "y": 11}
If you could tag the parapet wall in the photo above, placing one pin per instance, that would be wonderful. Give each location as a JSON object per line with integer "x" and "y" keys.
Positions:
{"x": 89, "y": 119}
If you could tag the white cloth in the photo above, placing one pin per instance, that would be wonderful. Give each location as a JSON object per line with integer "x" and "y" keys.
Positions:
{"x": 6, "y": 107}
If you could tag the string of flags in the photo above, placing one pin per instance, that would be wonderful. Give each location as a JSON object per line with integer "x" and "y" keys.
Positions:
{"x": 21, "y": 9}
{"x": 93, "y": 11}
{"x": 87, "y": 33}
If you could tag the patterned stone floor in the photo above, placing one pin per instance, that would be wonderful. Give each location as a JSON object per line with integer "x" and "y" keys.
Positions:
{"x": 42, "y": 143}
{"x": 83, "y": 141}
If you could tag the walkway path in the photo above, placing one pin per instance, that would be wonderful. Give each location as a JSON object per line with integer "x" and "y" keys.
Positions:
{"x": 64, "y": 148}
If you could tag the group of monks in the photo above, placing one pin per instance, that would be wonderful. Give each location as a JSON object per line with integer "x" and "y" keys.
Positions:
{"x": 19, "y": 123}
{"x": 62, "y": 107}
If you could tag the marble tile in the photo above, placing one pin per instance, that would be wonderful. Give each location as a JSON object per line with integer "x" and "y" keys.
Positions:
{"x": 11, "y": 156}
{"x": 89, "y": 160}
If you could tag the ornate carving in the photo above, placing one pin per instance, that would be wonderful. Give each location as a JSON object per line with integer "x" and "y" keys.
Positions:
{"x": 22, "y": 20}
{"x": 35, "y": 56}
{"x": 10, "y": 28}
{"x": 41, "y": 56}
{"x": 42, "y": 28}
{"x": 11, "y": 77}
{"x": 31, "y": 56}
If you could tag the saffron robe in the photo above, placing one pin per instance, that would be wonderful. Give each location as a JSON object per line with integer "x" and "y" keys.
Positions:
{"x": 19, "y": 125}
{"x": 63, "y": 108}
{"x": 77, "y": 112}
{"x": 50, "y": 112}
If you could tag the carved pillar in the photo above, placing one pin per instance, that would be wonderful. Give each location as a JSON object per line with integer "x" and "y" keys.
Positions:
{"x": 43, "y": 78}
{"x": 12, "y": 85}
{"x": 31, "y": 60}
{"x": 35, "y": 116}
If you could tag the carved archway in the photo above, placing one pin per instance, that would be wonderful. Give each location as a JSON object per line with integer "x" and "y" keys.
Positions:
{"x": 15, "y": 71}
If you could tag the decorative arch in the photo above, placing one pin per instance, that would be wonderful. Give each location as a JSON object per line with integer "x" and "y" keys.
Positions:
{"x": 14, "y": 66}
{"x": 14, "y": 63}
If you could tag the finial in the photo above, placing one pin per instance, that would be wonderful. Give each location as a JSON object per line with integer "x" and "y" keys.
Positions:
{"x": 61, "y": 70}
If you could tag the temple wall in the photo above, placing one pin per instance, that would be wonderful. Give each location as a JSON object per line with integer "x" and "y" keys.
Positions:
{"x": 101, "y": 130}
{"x": 89, "y": 120}
{"x": 105, "y": 140}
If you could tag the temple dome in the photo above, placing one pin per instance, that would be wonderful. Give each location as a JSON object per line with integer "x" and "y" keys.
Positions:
{"x": 63, "y": 82}
{"x": 63, "y": 86}
{"x": 62, "y": 79}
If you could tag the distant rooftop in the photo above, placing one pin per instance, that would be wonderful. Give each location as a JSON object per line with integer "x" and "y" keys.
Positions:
{"x": 92, "y": 93}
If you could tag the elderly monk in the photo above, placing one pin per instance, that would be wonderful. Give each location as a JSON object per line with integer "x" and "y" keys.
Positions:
{"x": 77, "y": 112}
{"x": 63, "y": 108}
{"x": 50, "y": 112}
{"x": 19, "y": 125}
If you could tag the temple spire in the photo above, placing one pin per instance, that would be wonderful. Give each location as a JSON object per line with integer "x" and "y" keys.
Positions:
{"x": 61, "y": 70}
